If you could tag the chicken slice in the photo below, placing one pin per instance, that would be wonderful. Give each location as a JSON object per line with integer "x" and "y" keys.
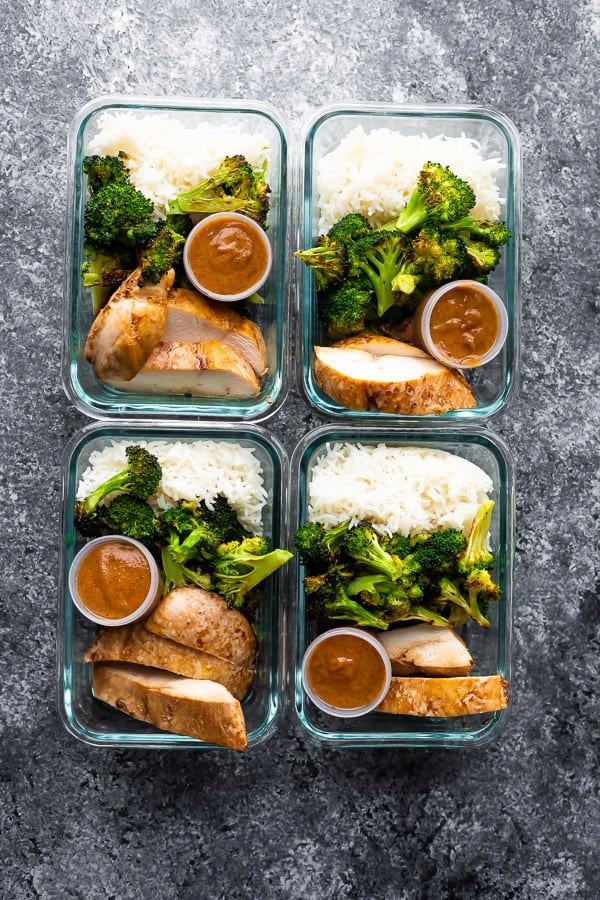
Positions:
{"x": 193, "y": 318}
{"x": 200, "y": 370}
{"x": 427, "y": 649}
{"x": 127, "y": 329}
{"x": 404, "y": 385}
{"x": 202, "y": 619}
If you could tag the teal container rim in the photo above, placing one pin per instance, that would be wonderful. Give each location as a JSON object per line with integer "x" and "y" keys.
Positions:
{"x": 66, "y": 610}
{"x": 315, "y": 397}
{"x": 455, "y": 432}
{"x": 166, "y": 406}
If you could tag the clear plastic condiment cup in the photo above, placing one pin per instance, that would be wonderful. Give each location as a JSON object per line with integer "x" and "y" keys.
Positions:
{"x": 259, "y": 234}
{"x": 422, "y": 324}
{"x": 146, "y": 606}
{"x": 342, "y": 712}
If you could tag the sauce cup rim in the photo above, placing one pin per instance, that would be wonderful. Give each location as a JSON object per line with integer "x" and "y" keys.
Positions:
{"x": 242, "y": 295}
{"x": 145, "y": 607}
{"x": 340, "y": 712}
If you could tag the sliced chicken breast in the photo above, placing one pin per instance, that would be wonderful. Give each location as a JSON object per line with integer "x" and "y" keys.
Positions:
{"x": 407, "y": 385}
{"x": 441, "y": 697}
{"x": 197, "y": 708}
{"x": 135, "y": 644}
{"x": 380, "y": 345}
{"x": 202, "y": 619}
{"x": 127, "y": 329}
{"x": 193, "y": 318}
{"x": 201, "y": 370}
{"x": 427, "y": 649}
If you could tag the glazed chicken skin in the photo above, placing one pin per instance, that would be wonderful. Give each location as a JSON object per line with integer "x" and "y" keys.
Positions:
{"x": 127, "y": 329}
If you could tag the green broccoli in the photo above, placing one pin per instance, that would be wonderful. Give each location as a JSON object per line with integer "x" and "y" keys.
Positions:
{"x": 439, "y": 197}
{"x": 329, "y": 257}
{"x": 118, "y": 213}
{"x": 177, "y": 575}
{"x": 104, "y": 271}
{"x": 234, "y": 187}
{"x": 319, "y": 547}
{"x": 492, "y": 233}
{"x": 239, "y": 566}
{"x": 345, "y": 310}
{"x": 140, "y": 477}
{"x": 101, "y": 170}
{"x": 439, "y": 550}
{"x": 188, "y": 534}
{"x": 164, "y": 251}
{"x": 476, "y": 554}
{"x": 133, "y": 517}
{"x": 379, "y": 255}
{"x": 481, "y": 259}
{"x": 396, "y": 545}
{"x": 363, "y": 545}
{"x": 223, "y": 518}
{"x": 329, "y": 599}
{"x": 481, "y": 590}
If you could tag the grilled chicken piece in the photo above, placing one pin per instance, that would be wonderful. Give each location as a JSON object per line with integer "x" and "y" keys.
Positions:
{"x": 202, "y": 370}
{"x": 191, "y": 317}
{"x": 441, "y": 697}
{"x": 135, "y": 644}
{"x": 426, "y": 649}
{"x": 127, "y": 329}
{"x": 391, "y": 383}
{"x": 202, "y": 619}
{"x": 200, "y": 709}
{"x": 380, "y": 345}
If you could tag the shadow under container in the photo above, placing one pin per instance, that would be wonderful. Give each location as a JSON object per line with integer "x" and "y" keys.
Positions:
{"x": 84, "y": 389}
{"x": 490, "y": 648}
{"x": 96, "y": 723}
{"x": 493, "y": 384}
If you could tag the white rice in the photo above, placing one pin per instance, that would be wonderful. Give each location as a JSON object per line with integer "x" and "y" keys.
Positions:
{"x": 374, "y": 174}
{"x": 198, "y": 470}
{"x": 400, "y": 490}
{"x": 167, "y": 157}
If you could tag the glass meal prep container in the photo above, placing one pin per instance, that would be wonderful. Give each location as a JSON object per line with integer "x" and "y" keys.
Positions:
{"x": 494, "y": 383}
{"x": 99, "y": 400}
{"x": 489, "y": 648}
{"x": 91, "y": 720}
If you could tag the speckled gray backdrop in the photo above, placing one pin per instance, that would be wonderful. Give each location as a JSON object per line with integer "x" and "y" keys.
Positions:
{"x": 519, "y": 819}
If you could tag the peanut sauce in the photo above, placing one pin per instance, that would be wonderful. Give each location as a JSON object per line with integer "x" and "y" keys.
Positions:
{"x": 113, "y": 580}
{"x": 226, "y": 255}
{"x": 346, "y": 671}
{"x": 464, "y": 325}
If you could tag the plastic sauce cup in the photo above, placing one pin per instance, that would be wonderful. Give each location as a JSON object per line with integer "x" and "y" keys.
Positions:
{"x": 147, "y": 604}
{"x": 227, "y": 256}
{"x": 342, "y": 711}
{"x": 422, "y": 325}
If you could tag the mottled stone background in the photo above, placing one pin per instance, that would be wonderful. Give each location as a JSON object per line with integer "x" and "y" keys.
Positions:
{"x": 519, "y": 819}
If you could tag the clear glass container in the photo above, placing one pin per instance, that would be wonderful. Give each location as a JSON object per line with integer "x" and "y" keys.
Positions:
{"x": 490, "y": 648}
{"x": 99, "y": 724}
{"x": 99, "y": 400}
{"x": 493, "y": 384}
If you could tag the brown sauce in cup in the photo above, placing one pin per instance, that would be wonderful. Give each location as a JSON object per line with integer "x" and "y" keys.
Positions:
{"x": 464, "y": 325}
{"x": 227, "y": 256}
{"x": 113, "y": 580}
{"x": 346, "y": 671}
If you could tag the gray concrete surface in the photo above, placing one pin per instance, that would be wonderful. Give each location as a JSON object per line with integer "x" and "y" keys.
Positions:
{"x": 519, "y": 819}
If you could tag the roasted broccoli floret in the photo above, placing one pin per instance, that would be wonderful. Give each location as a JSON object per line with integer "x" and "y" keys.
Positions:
{"x": 319, "y": 547}
{"x": 476, "y": 554}
{"x": 140, "y": 477}
{"x": 329, "y": 257}
{"x": 223, "y": 518}
{"x": 480, "y": 259}
{"x": 439, "y": 197}
{"x": 234, "y": 187}
{"x": 396, "y": 544}
{"x": 101, "y": 170}
{"x": 492, "y": 233}
{"x": 379, "y": 255}
{"x": 345, "y": 310}
{"x": 188, "y": 534}
{"x": 328, "y": 598}
{"x": 439, "y": 551}
{"x": 164, "y": 251}
{"x": 239, "y": 566}
{"x": 118, "y": 213}
{"x": 177, "y": 575}
{"x": 481, "y": 590}
{"x": 133, "y": 517}
{"x": 104, "y": 271}
{"x": 363, "y": 545}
